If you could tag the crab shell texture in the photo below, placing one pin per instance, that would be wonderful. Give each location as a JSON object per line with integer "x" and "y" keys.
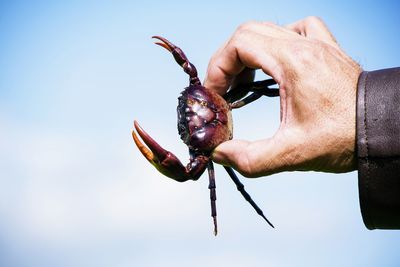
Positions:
{"x": 204, "y": 119}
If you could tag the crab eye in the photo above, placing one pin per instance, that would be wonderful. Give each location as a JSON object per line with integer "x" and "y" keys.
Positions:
{"x": 203, "y": 103}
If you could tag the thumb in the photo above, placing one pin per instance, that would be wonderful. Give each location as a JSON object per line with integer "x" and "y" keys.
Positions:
{"x": 258, "y": 158}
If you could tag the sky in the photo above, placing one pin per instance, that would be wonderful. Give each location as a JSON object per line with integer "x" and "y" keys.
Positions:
{"x": 75, "y": 191}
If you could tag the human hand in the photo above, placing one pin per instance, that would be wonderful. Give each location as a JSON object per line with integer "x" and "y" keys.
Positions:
{"x": 317, "y": 84}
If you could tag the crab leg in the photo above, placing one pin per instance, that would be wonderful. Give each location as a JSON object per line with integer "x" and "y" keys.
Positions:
{"x": 213, "y": 195}
{"x": 237, "y": 96}
{"x": 248, "y": 99}
{"x": 240, "y": 188}
{"x": 166, "y": 162}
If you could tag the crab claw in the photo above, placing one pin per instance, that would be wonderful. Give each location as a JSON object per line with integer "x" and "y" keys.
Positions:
{"x": 166, "y": 162}
{"x": 165, "y": 43}
{"x": 180, "y": 58}
{"x": 178, "y": 54}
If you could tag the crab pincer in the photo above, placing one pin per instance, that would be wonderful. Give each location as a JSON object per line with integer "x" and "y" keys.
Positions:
{"x": 180, "y": 58}
{"x": 165, "y": 161}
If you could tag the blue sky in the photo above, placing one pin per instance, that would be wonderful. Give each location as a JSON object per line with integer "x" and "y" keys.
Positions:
{"x": 74, "y": 191}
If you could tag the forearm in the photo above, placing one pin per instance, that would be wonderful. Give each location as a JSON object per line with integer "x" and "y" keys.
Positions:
{"x": 378, "y": 148}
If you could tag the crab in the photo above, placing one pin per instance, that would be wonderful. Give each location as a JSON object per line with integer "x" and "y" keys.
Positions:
{"x": 204, "y": 122}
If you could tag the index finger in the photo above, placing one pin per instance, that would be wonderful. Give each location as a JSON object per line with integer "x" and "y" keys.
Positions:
{"x": 222, "y": 69}
{"x": 253, "y": 46}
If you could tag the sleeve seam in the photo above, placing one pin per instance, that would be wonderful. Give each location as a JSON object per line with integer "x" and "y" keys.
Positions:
{"x": 367, "y": 180}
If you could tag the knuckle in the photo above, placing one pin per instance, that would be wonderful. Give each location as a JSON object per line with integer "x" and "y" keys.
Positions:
{"x": 247, "y": 31}
{"x": 243, "y": 32}
{"x": 247, "y": 26}
{"x": 237, "y": 39}
{"x": 313, "y": 20}
{"x": 269, "y": 24}
{"x": 245, "y": 164}
{"x": 213, "y": 59}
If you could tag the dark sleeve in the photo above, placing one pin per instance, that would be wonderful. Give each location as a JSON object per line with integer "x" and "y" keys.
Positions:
{"x": 378, "y": 148}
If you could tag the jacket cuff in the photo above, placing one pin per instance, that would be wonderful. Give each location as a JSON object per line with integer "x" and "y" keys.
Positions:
{"x": 378, "y": 148}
